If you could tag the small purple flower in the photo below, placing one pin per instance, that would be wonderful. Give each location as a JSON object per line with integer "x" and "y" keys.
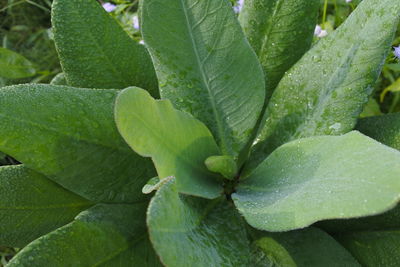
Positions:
{"x": 239, "y": 5}
{"x": 135, "y": 22}
{"x": 109, "y": 7}
{"x": 319, "y": 32}
{"x": 348, "y": 1}
{"x": 396, "y": 51}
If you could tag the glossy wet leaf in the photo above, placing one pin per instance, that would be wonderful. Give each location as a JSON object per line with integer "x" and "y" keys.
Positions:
{"x": 95, "y": 51}
{"x": 14, "y": 65}
{"x": 280, "y": 32}
{"x": 206, "y": 66}
{"x": 178, "y": 143}
{"x": 190, "y": 231}
{"x": 310, "y": 247}
{"x": 105, "y": 235}
{"x": 323, "y": 94}
{"x": 376, "y": 248}
{"x": 385, "y": 128}
{"x": 69, "y": 135}
{"x": 29, "y": 208}
{"x": 349, "y": 176}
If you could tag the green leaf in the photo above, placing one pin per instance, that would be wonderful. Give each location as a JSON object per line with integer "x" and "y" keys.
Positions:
{"x": 189, "y": 231}
{"x": 105, "y": 235}
{"x": 310, "y": 247}
{"x": 59, "y": 79}
{"x": 177, "y": 142}
{"x": 372, "y": 249}
{"x": 95, "y": 51}
{"x": 225, "y": 165}
{"x": 280, "y": 32}
{"x": 324, "y": 93}
{"x": 32, "y": 205}
{"x": 69, "y": 135}
{"x": 14, "y": 65}
{"x": 385, "y": 128}
{"x": 349, "y": 176}
{"x": 206, "y": 66}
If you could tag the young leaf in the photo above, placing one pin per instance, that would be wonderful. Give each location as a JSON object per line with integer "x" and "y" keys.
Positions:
{"x": 105, "y": 235}
{"x": 189, "y": 231}
{"x": 14, "y": 65}
{"x": 324, "y": 93}
{"x": 206, "y": 66}
{"x": 371, "y": 249}
{"x": 349, "y": 176}
{"x": 385, "y": 128}
{"x": 71, "y": 138}
{"x": 224, "y": 165}
{"x": 280, "y": 32}
{"x": 32, "y": 205}
{"x": 95, "y": 51}
{"x": 310, "y": 247}
{"x": 177, "y": 142}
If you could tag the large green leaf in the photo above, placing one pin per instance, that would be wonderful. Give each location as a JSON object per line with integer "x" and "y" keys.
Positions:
{"x": 69, "y": 135}
{"x": 349, "y": 176}
{"x": 310, "y": 247}
{"x": 324, "y": 93}
{"x": 95, "y": 51}
{"x": 385, "y": 128}
{"x": 189, "y": 231}
{"x": 31, "y": 205}
{"x": 178, "y": 143}
{"x": 105, "y": 235}
{"x": 373, "y": 249}
{"x": 14, "y": 65}
{"x": 206, "y": 66}
{"x": 280, "y": 32}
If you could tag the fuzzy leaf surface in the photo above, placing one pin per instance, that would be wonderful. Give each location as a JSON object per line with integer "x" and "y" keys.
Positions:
{"x": 96, "y": 52}
{"x": 324, "y": 93}
{"x": 206, "y": 66}
{"x": 32, "y": 205}
{"x": 105, "y": 235}
{"x": 189, "y": 231}
{"x": 280, "y": 32}
{"x": 177, "y": 143}
{"x": 14, "y": 65}
{"x": 69, "y": 135}
{"x": 349, "y": 176}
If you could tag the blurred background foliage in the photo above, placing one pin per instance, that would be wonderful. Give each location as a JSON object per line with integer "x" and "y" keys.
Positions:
{"x": 25, "y": 28}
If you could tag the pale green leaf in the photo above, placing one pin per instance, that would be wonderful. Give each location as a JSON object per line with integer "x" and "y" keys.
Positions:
{"x": 69, "y": 135}
{"x": 373, "y": 249}
{"x": 14, "y": 65}
{"x": 189, "y": 231}
{"x": 105, "y": 235}
{"x": 206, "y": 66}
{"x": 178, "y": 143}
{"x": 324, "y": 93}
{"x": 225, "y": 165}
{"x": 317, "y": 178}
{"x": 31, "y": 205}
{"x": 280, "y": 32}
{"x": 95, "y": 51}
{"x": 310, "y": 247}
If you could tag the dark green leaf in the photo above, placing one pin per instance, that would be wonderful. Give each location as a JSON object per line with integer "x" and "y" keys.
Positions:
{"x": 349, "y": 176}
{"x": 178, "y": 143}
{"x": 280, "y": 32}
{"x": 206, "y": 66}
{"x": 105, "y": 235}
{"x": 385, "y": 128}
{"x": 94, "y": 50}
{"x": 310, "y": 247}
{"x": 323, "y": 94}
{"x": 69, "y": 135}
{"x": 31, "y": 206}
{"x": 59, "y": 79}
{"x": 373, "y": 249}
{"x": 189, "y": 231}
{"x": 14, "y": 65}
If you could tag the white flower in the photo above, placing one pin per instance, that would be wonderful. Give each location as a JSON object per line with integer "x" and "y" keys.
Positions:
{"x": 319, "y": 32}
{"x": 135, "y": 22}
{"x": 109, "y": 7}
